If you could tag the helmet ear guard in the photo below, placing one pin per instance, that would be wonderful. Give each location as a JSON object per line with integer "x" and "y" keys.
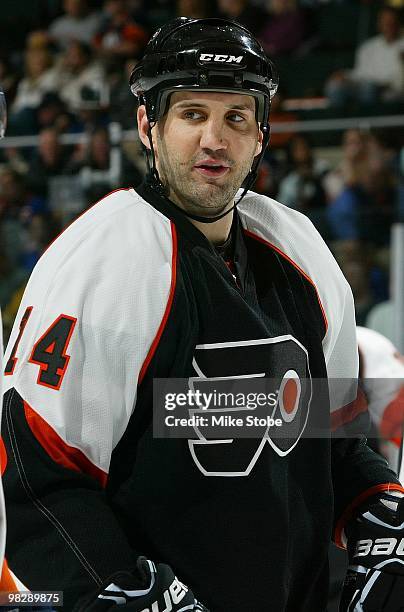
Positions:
{"x": 204, "y": 55}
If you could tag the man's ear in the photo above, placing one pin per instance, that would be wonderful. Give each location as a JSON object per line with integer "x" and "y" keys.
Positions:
{"x": 143, "y": 125}
{"x": 258, "y": 148}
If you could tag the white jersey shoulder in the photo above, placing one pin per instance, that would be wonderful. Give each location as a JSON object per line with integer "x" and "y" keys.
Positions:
{"x": 381, "y": 358}
{"x": 293, "y": 234}
{"x": 109, "y": 275}
{"x": 383, "y": 382}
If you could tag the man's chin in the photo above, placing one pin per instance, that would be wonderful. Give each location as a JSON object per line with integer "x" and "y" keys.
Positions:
{"x": 208, "y": 201}
{"x": 212, "y": 196}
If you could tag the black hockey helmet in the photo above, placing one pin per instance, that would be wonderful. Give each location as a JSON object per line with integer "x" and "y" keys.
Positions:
{"x": 203, "y": 54}
{"x": 207, "y": 55}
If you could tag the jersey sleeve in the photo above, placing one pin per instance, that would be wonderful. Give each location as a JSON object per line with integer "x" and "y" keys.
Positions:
{"x": 356, "y": 471}
{"x": 2, "y": 463}
{"x": 383, "y": 380}
{"x": 88, "y": 320}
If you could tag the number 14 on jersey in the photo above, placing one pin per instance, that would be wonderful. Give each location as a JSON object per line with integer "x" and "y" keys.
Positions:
{"x": 49, "y": 351}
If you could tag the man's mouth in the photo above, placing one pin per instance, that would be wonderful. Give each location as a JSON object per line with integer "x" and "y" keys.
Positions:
{"x": 211, "y": 168}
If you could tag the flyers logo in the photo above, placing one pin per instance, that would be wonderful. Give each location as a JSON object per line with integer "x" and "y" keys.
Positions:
{"x": 282, "y": 359}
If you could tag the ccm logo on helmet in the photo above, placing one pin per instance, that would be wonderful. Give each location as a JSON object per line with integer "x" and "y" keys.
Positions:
{"x": 381, "y": 546}
{"x": 221, "y": 58}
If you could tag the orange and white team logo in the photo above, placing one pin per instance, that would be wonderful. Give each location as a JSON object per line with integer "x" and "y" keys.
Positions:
{"x": 283, "y": 360}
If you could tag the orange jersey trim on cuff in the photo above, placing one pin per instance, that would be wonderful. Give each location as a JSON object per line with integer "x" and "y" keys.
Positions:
{"x": 3, "y": 457}
{"x": 392, "y": 421}
{"x": 346, "y": 414}
{"x": 347, "y": 514}
{"x": 68, "y": 456}
{"x": 7, "y": 582}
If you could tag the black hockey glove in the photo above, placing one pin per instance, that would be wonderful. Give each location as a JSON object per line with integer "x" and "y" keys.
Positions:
{"x": 149, "y": 588}
{"x": 375, "y": 576}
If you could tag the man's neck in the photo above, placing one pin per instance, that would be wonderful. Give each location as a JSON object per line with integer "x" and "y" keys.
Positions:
{"x": 217, "y": 232}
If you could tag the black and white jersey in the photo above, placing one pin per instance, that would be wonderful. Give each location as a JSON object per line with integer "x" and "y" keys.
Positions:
{"x": 382, "y": 374}
{"x": 130, "y": 292}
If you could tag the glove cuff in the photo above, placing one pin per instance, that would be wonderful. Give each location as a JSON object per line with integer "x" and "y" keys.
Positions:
{"x": 339, "y": 534}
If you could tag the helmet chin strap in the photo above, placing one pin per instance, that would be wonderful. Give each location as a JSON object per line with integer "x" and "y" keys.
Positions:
{"x": 155, "y": 182}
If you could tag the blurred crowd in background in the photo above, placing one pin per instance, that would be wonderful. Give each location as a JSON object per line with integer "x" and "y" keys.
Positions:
{"x": 65, "y": 64}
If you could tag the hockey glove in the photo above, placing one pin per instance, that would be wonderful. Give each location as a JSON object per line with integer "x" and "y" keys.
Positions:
{"x": 375, "y": 576}
{"x": 149, "y": 588}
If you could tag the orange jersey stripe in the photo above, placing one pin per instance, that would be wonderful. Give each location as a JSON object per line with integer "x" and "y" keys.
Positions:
{"x": 348, "y": 413}
{"x": 7, "y": 583}
{"x": 70, "y": 457}
{"x": 163, "y": 323}
{"x": 3, "y": 456}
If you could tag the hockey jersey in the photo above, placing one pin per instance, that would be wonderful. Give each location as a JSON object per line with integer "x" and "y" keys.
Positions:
{"x": 130, "y": 292}
{"x": 382, "y": 373}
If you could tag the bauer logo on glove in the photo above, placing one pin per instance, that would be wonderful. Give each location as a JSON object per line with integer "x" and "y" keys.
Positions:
{"x": 375, "y": 577}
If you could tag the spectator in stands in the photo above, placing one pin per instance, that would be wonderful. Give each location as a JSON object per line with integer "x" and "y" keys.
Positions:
{"x": 17, "y": 208}
{"x": 285, "y": 28}
{"x": 78, "y": 23}
{"x": 11, "y": 278}
{"x": 78, "y": 70}
{"x": 94, "y": 163}
{"x": 120, "y": 38}
{"x": 252, "y": 17}
{"x": 94, "y": 166}
{"x": 40, "y": 229}
{"x": 358, "y": 276}
{"x": 39, "y": 78}
{"x": 8, "y": 78}
{"x": 122, "y": 106}
{"x": 302, "y": 188}
{"x": 50, "y": 159}
{"x": 96, "y": 155}
{"x": 378, "y": 73}
{"x": 52, "y": 112}
{"x": 197, "y": 9}
{"x": 353, "y": 166}
{"x": 273, "y": 168}
{"x": 365, "y": 208}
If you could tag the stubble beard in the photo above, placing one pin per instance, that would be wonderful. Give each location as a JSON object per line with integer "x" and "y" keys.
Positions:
{"x": 194, "y": 194}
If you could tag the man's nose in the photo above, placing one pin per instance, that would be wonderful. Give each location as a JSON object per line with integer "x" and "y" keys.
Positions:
{"x": 213, "y": 135}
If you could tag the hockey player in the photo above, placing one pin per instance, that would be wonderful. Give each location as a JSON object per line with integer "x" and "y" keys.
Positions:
{"x": 3, "y": 116}
{"x": 7, "y": 582}
{"x": 189, "y": 276}
{"x": 382, "y": 373}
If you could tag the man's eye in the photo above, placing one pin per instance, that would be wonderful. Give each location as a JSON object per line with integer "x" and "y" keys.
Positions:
{"x": 236, "y": 118}
{"x": 192, "y": 115}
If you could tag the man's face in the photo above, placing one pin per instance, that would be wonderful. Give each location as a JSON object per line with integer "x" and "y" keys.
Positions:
{"x": 389, "y": 25}
{"x": 205, "y": 146}
{"x": 49, "y": 146}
